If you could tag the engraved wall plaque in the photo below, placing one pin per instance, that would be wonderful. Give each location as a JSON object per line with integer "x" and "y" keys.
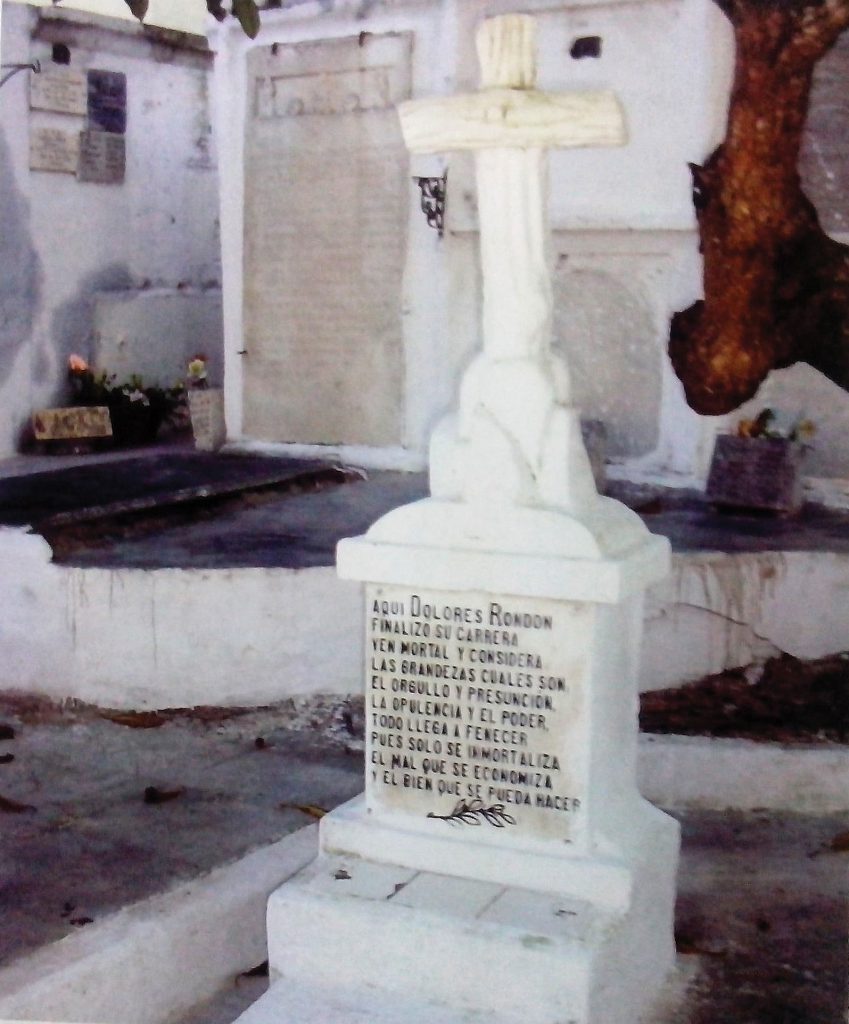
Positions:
{"x": 102, "y": 157}
{"x": 72, "y": 422}
{"x": 475, "y": 710}
{"x": 54, "y": 149}
{"x": 326, "y": 194}
{"x": 63, "y": 92}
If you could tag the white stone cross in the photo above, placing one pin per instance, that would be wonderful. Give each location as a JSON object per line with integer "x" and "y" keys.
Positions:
{"x": 510, "y": 125}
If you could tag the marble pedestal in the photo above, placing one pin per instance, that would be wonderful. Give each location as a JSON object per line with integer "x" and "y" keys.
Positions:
{"x": 519, "y": 878}
{"x": 501, "y": 865}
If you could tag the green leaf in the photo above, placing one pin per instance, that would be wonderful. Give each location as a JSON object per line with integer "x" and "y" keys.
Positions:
{"x": 138, "y": 7}
{"x": 216, "y": 9}
{"x": 248, "y": 15}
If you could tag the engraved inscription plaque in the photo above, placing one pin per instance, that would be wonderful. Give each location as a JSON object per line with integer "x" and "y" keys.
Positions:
{"x": 72, "y": 422}
{"x": 475, "y": 710}
{"x": 54, "y": 149}
{"x": 325, "y": 215}
{"x": 63, "y": 92}
{"x": 102, "y": 157}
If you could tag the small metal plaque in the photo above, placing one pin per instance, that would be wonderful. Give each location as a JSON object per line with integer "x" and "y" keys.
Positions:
{"x": 64, "y": 92}
{"x": 54, "y": 149}
{"x": 103, "y": 157}
{"x": 107, "y": 101}
{"x": 72, "y": 422}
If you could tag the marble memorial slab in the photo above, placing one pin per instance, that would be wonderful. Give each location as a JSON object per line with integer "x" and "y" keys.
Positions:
{"x": 54, "y": 149}
{"x": 326, "y": 194}
{"x": 63, "y": 92}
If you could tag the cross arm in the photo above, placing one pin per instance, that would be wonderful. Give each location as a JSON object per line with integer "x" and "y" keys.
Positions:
{"x": 512, "y": 118}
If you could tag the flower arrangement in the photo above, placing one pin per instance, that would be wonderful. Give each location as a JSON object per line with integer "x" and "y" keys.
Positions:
{"x": 769, "y": 423}
{"x": 137, "y": 410}
{"x": 196, "y": 372}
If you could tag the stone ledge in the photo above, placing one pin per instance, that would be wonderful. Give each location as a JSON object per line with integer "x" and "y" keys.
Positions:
{"x": 700, "y": 773}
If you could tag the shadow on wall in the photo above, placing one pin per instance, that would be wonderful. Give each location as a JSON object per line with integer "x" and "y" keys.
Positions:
{"x": 72, "y": 326}
{"x": 20, "y": 279}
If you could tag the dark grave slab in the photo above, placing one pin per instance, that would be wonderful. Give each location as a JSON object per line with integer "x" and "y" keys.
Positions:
{"x": 85, "y": 493}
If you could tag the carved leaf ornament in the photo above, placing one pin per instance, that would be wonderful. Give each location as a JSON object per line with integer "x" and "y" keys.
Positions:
{"x": 776, "y": 286}
{"x": 475, "y": 812}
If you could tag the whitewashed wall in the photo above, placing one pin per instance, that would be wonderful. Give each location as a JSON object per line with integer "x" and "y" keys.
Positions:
{"x": 625, "y": 250}
{"x": 63, "y": 241}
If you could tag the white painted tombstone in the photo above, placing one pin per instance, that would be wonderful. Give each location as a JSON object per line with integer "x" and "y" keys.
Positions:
{"x": 501, "y": 864}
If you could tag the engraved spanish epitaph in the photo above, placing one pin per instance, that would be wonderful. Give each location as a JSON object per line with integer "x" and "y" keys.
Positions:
{"x": 473, "y": 708}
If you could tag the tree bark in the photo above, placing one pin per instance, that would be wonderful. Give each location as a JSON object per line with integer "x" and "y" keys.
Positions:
{"x": 776, "y": 287}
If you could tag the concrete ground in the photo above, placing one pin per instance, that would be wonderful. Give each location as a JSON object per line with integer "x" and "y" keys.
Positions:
{"x": 117, "y": 812}
{"x": 95, "y": 814}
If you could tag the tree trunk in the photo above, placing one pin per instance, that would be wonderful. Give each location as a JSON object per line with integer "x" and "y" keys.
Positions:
{"x": 776, "y": 286}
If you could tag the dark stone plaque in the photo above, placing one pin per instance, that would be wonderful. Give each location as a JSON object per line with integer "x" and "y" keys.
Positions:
{"x": 107, "y": 101}
{"x": 102, "y": 158}
{"x": 756, "y": 473}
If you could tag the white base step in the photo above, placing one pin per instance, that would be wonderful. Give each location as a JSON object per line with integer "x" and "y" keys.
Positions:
{"x": 363, "y": 936}
{"x": 288, "y": 1002}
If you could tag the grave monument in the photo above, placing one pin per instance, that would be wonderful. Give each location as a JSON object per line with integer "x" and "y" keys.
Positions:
{"x": 501, "y": 864}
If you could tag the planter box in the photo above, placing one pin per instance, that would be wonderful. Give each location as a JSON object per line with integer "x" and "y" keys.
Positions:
{"x": 206, "y": 408}
{"x": 756, "y": 473}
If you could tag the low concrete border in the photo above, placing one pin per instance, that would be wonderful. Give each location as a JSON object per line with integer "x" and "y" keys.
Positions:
{"x": 699, "y": 773}
{"x": 154, "y": 638}
{"x": 157, "y": 959}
